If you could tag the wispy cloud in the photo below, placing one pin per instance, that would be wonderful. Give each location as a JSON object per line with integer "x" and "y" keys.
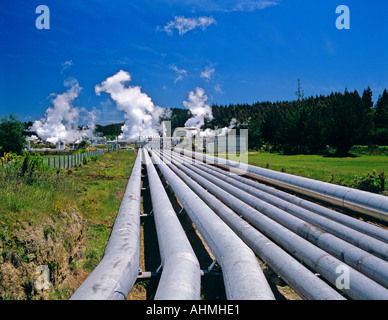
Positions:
{"x": 180, "y": 72}
{"x": 208, "y": 73}
{"x": 226, "y": 5}
{"x": 218, "y": 89}
{"x": 66, "y": 65}
{"x": 251, "y": 5}
{"x": 184, "y": 25}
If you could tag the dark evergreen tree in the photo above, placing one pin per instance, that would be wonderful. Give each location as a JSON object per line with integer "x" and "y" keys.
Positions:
{"x": 12, "y": 138}
{"x": 381, "y": 114}
{"x": 380, "y": 134}
{"x": 350, "y": 121}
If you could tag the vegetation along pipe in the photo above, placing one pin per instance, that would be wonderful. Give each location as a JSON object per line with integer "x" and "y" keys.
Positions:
{"x": 297, "y": 276}
{"x": 115, "y": 275}
{"x": 181, "y": 277}
{"x": 362, "y": 287}
{"x": 243, "y": 277}
{"x": 363, "y": 202}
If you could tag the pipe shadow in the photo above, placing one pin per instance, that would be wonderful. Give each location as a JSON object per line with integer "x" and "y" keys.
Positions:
{"x": 152, "y": 258}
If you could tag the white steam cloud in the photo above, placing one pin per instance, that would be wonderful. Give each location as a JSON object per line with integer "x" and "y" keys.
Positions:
{"x": 198, "y": 107}
{"x": 142, "y": 116}
{"x": 201, "y": 111}
{"x": 61, "y": 120}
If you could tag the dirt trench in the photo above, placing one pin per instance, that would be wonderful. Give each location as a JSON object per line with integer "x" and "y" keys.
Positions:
{"x": 36, "y": 259}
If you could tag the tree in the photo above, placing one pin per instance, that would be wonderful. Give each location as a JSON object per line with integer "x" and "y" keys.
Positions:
{"x": 368, "y": 121}
{"x": 350, "y": 122}
{"x": 381, "y": 115}
{"x": 83, "y": 144}
{"x": 380, "y": 134}
{"x": 299, "y": 91}
{"x": 110, "y": 130}
{"x": 11, "y": 135}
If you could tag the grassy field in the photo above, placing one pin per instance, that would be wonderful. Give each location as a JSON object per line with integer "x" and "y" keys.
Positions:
{"x": 363, "y": 164}
{"x": 43, "y": 196}
{"x": 336, "y": 170}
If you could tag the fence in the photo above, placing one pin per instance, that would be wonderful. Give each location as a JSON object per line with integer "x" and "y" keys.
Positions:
{"x": 69, "y": 161}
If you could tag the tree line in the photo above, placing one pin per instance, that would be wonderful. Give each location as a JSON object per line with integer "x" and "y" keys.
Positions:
{"x": 310, "y": 125}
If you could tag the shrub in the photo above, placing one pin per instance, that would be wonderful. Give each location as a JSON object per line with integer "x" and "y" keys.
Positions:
{"x": 370, "y": 182}
{"x": 86, "y": 160}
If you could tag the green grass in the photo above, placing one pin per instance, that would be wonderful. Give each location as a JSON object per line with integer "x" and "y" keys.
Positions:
{"x": 95, "y": 190}
{"x": 100, "y": 186}
{"x": 341, "y": 171}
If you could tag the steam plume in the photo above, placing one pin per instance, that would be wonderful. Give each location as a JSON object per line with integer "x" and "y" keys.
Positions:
{"x": 197, "y": 104}
{"x": 141, "y": 115}
{"x": 199, "y": 108}
{"x": 61, "y": 120}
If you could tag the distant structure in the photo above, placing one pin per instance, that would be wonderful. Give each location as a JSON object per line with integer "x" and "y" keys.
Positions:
{"x": 60, "y": 145}
{"x": 97, "y": 141}
{"x": 122, "y": 144}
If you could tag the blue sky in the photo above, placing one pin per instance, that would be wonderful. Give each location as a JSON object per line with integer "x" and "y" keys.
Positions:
{"x": 238, "y": 51}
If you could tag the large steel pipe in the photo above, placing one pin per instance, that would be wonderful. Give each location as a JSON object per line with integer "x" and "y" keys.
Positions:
{"x": 181, "y": 277}
{"x": 297, "y": 276}
{"x": 361, "y": 286}
{"x": 243, "y": 278}
{"x": 367, "y": 203}
{"x": 115, "y": 275}
{"x": 370, "y": 265}
{"x": 356, "y": 224}
{"x": 363, "y": 241}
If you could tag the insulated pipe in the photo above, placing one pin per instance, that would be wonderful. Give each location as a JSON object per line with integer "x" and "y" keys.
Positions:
{"x": 181, "y": 277}
{"x": 370, "y": 265}
{"x": 243, "y": 278}
{"x": 115, "y": 275}
{"x": 363, "y": 202}
{"x": 365, "y": 242}
{"x": 356, "y": 224}
{"x": 297, "y": 276}
{"x": 361, "y": 287}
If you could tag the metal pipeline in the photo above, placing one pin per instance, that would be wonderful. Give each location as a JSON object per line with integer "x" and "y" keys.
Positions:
{"x": 181, "y": 277}
{"x": 243, "y": 278}
{"x": 297, "y": 276}
{"x": 370, "y": 265}
{"x": 361, "y": 287}
{"x": 115, "y": 275}
{"x": 365, "y": 242}
{"x": 356, "y": 224}
{"x": 363, "y": 202}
